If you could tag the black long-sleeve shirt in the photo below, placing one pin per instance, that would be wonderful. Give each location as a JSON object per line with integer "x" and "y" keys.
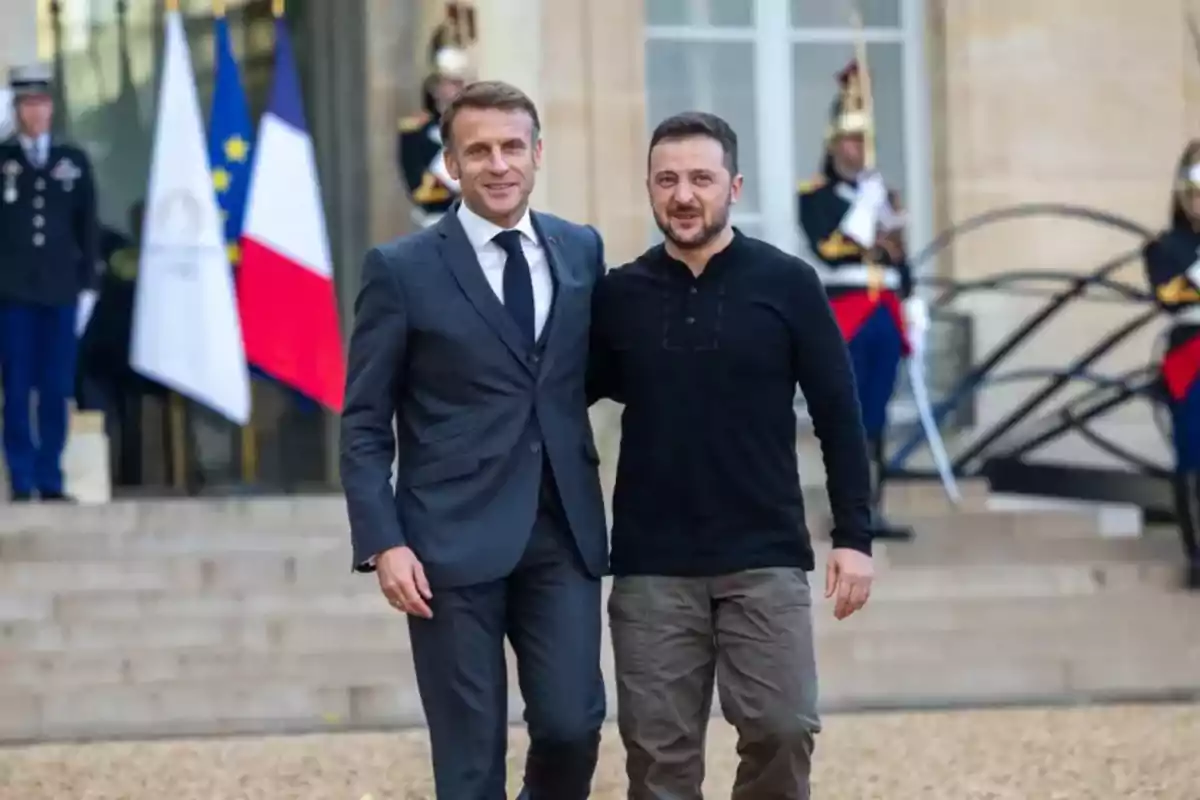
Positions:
{"x": 707, "y": 369}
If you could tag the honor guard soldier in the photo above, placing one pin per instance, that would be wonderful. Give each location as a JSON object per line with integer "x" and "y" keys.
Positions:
{"x": 854, "y": 226}
{"x": 49, "y": 239}
{"x": 1172, "y": 262}
{"x": 419, "y": 147}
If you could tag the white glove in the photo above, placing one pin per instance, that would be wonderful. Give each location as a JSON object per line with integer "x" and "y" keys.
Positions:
{"x": 862, "y": 220}
{"x": 438, "y": 168}
{"x": 1193, "y": 273}
{"x": 916, "y": 320}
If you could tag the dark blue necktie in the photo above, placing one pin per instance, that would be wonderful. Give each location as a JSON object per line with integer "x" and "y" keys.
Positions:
{"x": 518, "y": 285}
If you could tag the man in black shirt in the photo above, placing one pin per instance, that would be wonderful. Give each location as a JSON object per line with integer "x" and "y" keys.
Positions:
{"x": 704, "y": 339}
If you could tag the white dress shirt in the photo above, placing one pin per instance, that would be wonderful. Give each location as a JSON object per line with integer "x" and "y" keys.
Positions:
{"x": 492, "y": 257}
{"x": 36, "y": 150}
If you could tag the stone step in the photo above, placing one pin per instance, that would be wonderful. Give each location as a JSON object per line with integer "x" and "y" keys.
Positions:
{"x": 903, "y": 602}
{"x": 242, "y": 692}
{"x": 949, "y": 548}
{"x": 890, "y": 609}
{"x": 42, "y": 673}
{"x": 309, "y": 514}
{"x": 97, "y": 535}
{"x": 257, "y": 574}
{"x": 281, "y": 515}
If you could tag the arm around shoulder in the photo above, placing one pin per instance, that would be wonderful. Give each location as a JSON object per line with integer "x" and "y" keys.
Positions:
{"x": 374, "y": 376}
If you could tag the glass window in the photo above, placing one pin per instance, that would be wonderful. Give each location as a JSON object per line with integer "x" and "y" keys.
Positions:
{"x": 774, "y": 80}
{"x": 716, "y": 13}
{"x": 708, "y": 76}
{"x": 106, "y": 57}
{"x": 836, "y": 13}
{"x": 814, "y": 70}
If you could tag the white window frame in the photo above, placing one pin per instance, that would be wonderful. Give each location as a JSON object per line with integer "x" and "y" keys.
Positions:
{"x": 773, "y": 37}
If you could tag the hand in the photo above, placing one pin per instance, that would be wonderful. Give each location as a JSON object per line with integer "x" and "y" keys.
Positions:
{"x": 888, "y": 242}
{"x": 848, "y": 575}
{"x": 872, "y": 191}
{"x": 402, "y": 581}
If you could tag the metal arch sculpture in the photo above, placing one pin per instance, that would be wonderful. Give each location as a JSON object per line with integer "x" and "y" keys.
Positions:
{"x": 1136, "y": 384}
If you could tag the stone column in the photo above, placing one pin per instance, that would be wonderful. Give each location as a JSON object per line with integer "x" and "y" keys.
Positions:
{"x": 394, "y": 33}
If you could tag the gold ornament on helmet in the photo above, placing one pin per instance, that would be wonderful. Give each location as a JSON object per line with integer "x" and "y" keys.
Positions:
{"x": 850, "y": 115}
{"x": 451, "y": 50}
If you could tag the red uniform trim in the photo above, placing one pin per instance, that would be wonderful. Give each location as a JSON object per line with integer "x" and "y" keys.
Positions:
{"x": 852, "y": 309}
{"x": 1181, "y": 366}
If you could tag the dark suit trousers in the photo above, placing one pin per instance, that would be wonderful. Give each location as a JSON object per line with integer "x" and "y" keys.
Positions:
{"x": 549, "y": 608}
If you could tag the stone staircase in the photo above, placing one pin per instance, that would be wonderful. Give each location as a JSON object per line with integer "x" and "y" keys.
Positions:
{"x": 220, "y": 616}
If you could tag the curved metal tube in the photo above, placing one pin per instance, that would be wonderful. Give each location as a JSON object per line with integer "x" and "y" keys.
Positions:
{"x": 955, "y": 288}
{"x": 1066, "y": 210}
{"x": 969, "y": 382}
{"x": 1101, "y": 347}
{"x": 1116, "y": 451}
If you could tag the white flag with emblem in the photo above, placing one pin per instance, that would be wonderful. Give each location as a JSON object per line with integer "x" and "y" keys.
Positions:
{"x": 186, "y": 332}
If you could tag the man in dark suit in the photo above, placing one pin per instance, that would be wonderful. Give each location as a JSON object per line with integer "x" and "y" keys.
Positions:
{"x": 49, "y": 248}
{"x": 472, "y": 335}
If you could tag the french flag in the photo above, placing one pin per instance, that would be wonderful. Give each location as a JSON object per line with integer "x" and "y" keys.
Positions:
{"x": 285, "y": 284}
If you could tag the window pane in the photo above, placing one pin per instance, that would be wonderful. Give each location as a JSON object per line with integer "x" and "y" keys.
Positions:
{"x": 717, "y": 77}
{"x": 836, "y": 14}
{"x": 703, "y": 13}
{"x": 814, "y": 67}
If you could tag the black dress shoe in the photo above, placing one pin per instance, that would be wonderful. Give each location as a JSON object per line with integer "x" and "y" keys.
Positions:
{"x": 56, "y": 497}
{"x": 20, "y": 497}
{"x": 1193, "y": 576}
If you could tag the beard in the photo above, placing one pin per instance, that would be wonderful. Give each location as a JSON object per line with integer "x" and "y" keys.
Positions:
{"x": 703, "y": 236}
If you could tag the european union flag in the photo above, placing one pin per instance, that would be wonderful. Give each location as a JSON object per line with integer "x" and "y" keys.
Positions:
{"x": 230, "y": 135}
{"x": 229, "y": 139}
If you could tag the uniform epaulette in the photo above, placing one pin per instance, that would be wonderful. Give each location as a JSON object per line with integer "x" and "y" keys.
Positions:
{"x": 810, "y": 185}
{"x": 414, "y": 122}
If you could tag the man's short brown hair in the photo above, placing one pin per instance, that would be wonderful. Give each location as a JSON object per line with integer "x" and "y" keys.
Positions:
{"x": 496, "y": 95}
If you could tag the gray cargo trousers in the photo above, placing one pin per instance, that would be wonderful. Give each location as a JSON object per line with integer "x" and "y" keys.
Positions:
{"x": 749, "y": 631}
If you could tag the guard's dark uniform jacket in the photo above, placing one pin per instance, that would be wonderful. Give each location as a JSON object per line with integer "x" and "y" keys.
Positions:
{"x": 1167, "y": 259}
{"x": 418, "y": 143}
{"x": 822, "y": 204}
{"x": 49, "y": 234}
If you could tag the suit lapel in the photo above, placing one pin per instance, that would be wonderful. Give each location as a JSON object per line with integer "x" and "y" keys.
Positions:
{"x": 459, "y": 256}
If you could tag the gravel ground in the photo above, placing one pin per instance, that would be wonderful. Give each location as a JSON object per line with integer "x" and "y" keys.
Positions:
{"x": 1058, "y": 754}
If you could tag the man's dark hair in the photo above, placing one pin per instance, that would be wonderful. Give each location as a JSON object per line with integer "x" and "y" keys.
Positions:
{"x": 698, "y": 123}
{"x": 488, "y": 95}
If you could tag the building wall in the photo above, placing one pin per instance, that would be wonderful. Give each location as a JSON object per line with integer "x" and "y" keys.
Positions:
{"x": 18, "y": 34}
{"x": 1068, "y": 102}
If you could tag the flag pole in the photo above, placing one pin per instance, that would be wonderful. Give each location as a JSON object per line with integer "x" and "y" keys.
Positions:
{"x": 249, "y": 443}
{"x": 177, "y": 421}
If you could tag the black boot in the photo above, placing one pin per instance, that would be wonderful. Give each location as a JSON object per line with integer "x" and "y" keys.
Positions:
{"x": 1187, "y": 500}
{"x": 880, "y": 527}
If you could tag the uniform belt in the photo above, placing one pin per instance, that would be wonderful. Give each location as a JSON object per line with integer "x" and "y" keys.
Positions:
{"x": 1189, "y": 315}
{"x": 859, "y": 275}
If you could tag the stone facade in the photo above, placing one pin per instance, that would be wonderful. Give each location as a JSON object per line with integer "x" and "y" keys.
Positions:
{"x": 1078, "y": 102}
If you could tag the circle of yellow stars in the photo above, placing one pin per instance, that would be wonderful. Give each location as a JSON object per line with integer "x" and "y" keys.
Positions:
{"x": 237, "y": 150}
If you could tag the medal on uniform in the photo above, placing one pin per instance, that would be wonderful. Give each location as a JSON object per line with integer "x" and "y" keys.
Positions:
{"x": 11, "y": 170}
{"x": 66, "y": 173}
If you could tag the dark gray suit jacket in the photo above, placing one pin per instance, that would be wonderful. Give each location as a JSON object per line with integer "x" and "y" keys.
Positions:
{"x": 434, "y": 349}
